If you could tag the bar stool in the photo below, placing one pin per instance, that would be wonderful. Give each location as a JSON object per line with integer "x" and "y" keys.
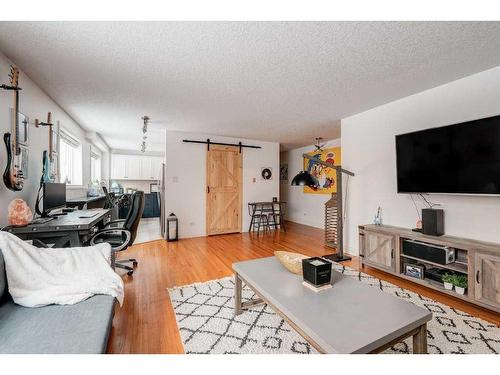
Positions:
{"x": 259, "y": 218}
{"x": 277, "y": 215}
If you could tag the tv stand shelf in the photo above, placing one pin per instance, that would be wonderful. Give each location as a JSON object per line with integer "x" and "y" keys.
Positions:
{"x": 434, "y": 285}
{"x": 457, "y": 267}
{"x": 380, "y": 246}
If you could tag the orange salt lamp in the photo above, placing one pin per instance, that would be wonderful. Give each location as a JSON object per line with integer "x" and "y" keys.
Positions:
{"x": 19, "y": 213}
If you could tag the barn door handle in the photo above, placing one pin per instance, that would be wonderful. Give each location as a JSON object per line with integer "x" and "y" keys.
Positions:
{"x": 208, "y": 189}
{"x": 477, "y": 277}
{"x": 392, "y": 253}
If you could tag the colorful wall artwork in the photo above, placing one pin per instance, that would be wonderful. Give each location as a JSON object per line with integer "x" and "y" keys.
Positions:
{"x": 327, "y": 177}
{"x": 284, "y": 172}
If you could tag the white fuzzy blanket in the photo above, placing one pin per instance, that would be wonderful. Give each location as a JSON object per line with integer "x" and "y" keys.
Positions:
{"x": 44, "y": 276}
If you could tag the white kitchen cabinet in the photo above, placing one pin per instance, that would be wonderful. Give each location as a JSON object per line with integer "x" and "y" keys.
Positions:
{"x": 119, "y": 170}
{"x": 149, "y": 169}
{"x": 156, "y": 165}
{"x": 146, "y": 169}
{"x": 135, "y": 167}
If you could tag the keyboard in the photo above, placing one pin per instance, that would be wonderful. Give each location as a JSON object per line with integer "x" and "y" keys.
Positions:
{"x": 42, "y": 220}
{"x": 86, "y": 214}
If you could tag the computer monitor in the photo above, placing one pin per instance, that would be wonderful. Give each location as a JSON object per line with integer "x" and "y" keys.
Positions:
{"x": 54, "y": 196}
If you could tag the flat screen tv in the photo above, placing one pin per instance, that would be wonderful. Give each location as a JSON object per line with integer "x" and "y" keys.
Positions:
{"x": 455, "y": 159}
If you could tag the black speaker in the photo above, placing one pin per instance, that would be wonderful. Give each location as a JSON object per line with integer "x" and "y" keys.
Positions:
{"x": 432, "y": 221}
{"x": 427, "y": 251}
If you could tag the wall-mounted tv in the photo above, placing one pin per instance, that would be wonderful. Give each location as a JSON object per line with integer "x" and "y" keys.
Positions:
{"x": 455, "y": 159}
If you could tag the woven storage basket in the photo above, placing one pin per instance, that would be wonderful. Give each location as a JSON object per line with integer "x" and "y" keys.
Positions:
{"x": 291, "y": 261}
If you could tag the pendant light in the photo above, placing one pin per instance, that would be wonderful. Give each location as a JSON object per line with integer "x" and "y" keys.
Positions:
{"x": 304, "y": 178}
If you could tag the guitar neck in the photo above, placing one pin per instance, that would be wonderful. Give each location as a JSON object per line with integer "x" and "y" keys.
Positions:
{"x": 15, "y": 127}
{"x": 51, "y": 146}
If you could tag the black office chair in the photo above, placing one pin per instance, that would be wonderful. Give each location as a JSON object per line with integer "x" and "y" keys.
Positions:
{"x": 120, "y": 234}
{"x": 110, "y": 201}
{"x": 113, "y": 202}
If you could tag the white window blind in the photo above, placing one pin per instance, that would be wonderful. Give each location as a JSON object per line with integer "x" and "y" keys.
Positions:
{"x": 70, "y": 159}
{"x": 95, "y": 166}
{"x": 68, "y": 138}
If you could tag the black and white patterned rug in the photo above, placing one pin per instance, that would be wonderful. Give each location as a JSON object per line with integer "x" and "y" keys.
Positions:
{"x": 206, "y": 321}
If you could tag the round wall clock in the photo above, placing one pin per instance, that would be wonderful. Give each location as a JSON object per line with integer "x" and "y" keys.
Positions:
{"x": 267, "y": 173}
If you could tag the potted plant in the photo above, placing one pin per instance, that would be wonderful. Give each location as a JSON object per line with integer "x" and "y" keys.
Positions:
{"x": 448, "y": 281}
{"x": 460, "y": 282}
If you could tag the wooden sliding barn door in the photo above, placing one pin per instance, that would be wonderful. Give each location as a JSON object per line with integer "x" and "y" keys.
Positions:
{"x": 224, "y": 190}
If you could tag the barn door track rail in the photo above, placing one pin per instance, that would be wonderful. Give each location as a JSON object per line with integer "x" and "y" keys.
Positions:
{"x": 208, "y": 142}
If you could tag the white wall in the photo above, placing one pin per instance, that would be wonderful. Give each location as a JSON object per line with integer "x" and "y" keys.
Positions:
{"x": 302, "y": 208}
{"x": 186, "y": 178}
{"x": 34, "y": 103}
{"x": 368, "y": 149}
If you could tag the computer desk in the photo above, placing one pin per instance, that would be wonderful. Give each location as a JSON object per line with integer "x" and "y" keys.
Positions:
{"x": 70, "y": 229}
{"x": 97, "y": 201}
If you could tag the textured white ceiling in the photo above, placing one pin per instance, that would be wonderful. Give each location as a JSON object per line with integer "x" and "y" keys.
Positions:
{"x": 278, "y": 81}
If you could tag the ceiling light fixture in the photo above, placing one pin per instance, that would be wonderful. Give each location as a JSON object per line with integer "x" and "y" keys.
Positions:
{"x": 318, "y": 145}
{"x": 145, "y": 120}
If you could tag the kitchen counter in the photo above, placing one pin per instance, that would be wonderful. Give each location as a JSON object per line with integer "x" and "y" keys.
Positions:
{"x": 151, "y": 206}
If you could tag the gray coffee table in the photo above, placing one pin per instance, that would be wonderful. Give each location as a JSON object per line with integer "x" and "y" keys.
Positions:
{"x": 351, "y": 317}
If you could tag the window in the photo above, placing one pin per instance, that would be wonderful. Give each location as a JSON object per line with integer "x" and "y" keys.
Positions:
{"x": 95, "y": 166}
{"x": 70, "y": 159}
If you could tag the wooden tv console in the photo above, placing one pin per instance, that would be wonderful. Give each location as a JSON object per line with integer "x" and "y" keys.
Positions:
{"x": 380, "y": 246}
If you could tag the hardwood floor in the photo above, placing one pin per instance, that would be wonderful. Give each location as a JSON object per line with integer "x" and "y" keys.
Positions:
{"x": 146, "y": 322}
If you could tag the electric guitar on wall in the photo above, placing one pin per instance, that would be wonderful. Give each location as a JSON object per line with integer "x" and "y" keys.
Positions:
{"x": 13, "y": 177}
{"x": 46, "y": 168}
{"x": 49, "y": 169}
